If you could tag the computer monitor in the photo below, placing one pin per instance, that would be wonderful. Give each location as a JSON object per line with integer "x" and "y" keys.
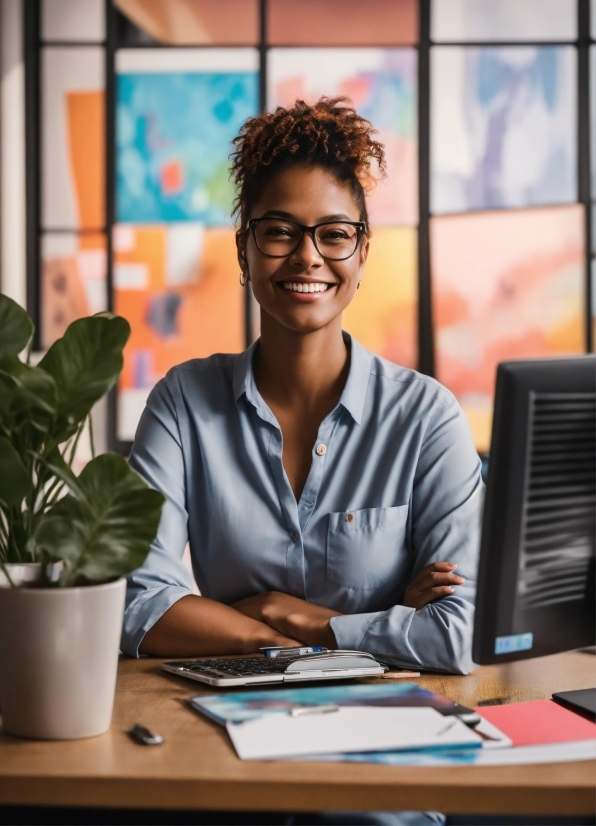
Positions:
{"x": 536, "y": 573}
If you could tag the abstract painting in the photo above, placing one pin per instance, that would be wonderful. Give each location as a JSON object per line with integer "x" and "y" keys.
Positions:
{"x": 469, "y": 21}
{"x": 383, "y": 314}
{"x": 174, "y": 131}
{"x": 177, "y": 285}
{"x": 382, "y": 86}
{"x": 506, "y": 285}
{"x": 504, "y": 127}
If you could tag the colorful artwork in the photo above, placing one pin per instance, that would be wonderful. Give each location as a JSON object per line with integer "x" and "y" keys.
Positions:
{"x": 503, "y": 20}
{"x": 383, "y": 314}
{"x": 505, "y": 285}
{"x": 195, "y": 22}
{"x": 177, "y": 284}
{"x": 382, "y": 85}
{"x": 504, "y": 127}
{"x": 342, "y": 22}
{"x": 72, "y": 139}
{"x": 174, "y": 132}
{"x": 73, "y": 272}
{"x": 73, "y": 281}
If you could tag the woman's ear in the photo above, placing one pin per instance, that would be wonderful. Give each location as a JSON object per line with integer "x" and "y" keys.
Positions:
{"x": 364, "y": 247}
{"x": 241, "y": 249}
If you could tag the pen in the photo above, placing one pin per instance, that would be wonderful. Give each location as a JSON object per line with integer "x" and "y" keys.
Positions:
{"x": 285, "y": 651}
{"x": 446, "y": 728}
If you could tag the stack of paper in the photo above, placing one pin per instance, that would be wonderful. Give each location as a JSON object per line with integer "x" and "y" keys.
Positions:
{"x": 346, "y": 730}
{"x": 362, "y": 722}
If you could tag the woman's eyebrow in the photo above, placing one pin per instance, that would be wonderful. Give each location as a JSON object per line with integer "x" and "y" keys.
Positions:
{"x": 278, "y": 213}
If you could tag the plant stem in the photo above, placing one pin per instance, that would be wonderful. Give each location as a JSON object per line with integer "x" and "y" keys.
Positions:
{"x": 91, "y": 438}
{"x": 73, "y": 446}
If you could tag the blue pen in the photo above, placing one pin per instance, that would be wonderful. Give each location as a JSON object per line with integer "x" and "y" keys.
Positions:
{"x": 288, "y": 651}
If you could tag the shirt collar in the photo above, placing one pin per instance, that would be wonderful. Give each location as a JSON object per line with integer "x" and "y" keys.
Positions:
{"x": 352, "y": 398}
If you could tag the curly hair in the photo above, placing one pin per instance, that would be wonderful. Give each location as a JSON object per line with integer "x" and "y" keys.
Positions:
{"x": 329, "y": 134}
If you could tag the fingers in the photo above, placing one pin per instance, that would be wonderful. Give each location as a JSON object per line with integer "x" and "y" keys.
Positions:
{"x": 434, "y": 579}
{"x": 433, "y": 582}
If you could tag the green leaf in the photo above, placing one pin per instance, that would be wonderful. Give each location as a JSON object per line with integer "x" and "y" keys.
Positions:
{"x": 16, "y": 328}
{"x": 28, "y": 406}
{"x": 106, "y": 528}
{"x": 14, "y": 479}
{"x": 85, "y": 363}
{"x": 37, "y": 388}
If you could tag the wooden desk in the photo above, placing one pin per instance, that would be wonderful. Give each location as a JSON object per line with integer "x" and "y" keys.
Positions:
{"x": 197, "y": 768}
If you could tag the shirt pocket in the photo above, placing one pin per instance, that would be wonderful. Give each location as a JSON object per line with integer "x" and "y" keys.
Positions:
{"x": 364, "y": 547}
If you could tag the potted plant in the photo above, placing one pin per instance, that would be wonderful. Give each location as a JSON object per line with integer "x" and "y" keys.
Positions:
{"x": 66, "y": 541}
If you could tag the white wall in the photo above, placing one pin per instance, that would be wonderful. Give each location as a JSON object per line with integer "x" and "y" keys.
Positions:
{"x": 12, "y": 152}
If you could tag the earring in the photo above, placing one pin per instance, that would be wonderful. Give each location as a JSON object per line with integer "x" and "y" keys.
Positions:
{"x": 244, "y": 279}
{"x": 358, "y": 286}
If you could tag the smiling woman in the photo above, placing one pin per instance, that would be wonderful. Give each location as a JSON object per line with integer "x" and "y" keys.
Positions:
{"x": 327, "y": 495}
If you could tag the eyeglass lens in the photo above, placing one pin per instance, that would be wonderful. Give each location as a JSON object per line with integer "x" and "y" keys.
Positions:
{"x": 280, "y": 238}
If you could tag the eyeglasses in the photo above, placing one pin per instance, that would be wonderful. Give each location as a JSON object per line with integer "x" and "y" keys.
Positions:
{"x": 278, "y": 238}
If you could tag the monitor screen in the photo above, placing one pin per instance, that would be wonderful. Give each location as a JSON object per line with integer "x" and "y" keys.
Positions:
{"x": 536, "y": 573}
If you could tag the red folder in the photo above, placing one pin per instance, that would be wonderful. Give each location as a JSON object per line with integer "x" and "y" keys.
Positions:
{"x": 539, "y": 722}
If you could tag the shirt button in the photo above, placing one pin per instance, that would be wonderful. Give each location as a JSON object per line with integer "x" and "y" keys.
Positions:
{"x": 321, "y": 449}
{"x": 294, "y": 537}
{"x": 350, "y": 517}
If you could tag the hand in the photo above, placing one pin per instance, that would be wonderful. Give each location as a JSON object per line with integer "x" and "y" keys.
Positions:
{"x": 433, "y": 582}
{"x": 293, "y": 617}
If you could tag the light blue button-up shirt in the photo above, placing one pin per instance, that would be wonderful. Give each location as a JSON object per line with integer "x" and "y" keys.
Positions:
{"x": 394, "y": 485}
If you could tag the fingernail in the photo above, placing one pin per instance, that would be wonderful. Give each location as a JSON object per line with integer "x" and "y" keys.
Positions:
{"x": 451, "y": 589}
{"x": 452, "y": 564}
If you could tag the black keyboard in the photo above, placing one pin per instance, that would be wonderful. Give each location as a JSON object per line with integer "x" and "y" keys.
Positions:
{"x": 240, "y": 667}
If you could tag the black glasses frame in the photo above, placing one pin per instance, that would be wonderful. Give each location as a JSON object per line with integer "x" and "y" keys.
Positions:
{"x": 360, "y": 231}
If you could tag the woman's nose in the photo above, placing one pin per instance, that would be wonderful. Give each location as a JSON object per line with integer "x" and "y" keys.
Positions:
{"x": 306, "y": 254}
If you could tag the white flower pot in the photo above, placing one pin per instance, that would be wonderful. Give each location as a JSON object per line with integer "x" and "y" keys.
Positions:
{"x": 58, "y": 659}
{"x": 20, "y": 573}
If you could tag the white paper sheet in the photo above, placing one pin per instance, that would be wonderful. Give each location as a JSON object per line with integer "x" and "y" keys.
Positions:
{"x": 358, "y": 729}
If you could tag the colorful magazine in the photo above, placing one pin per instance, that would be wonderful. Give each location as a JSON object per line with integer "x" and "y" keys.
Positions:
{"x": 239, "y": 706}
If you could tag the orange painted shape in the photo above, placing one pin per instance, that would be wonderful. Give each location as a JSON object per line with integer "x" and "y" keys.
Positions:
{"x": 210, "y": 317}
{"x": 86, "y": 115}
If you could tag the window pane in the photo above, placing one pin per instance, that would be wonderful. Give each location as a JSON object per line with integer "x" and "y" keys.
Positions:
{"x": 192, "y": 22}
{"x": 73, "y": 281}
{"x": 504, "y": 127}
{"x": 383, "y": 314}
{"x": 498, "y": 20}
{"x": 73, "y": 154}
{"x": 73, "y": 20}
{"x": 505, "y": 285}
{"x": 342, "y": 22}
{"x": 178, "y": 111}
{"x": 177, "y": 284}
{"x": 382, "y": 85}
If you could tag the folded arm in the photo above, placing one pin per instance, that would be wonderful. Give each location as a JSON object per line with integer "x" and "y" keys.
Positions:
{"x": 163, "y": 617}
{"x": 432, "y": 626}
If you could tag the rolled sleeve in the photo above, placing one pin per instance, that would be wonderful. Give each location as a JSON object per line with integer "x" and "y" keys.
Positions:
{"x": 447, "y": 502}
{"x": 163, "y": 579}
